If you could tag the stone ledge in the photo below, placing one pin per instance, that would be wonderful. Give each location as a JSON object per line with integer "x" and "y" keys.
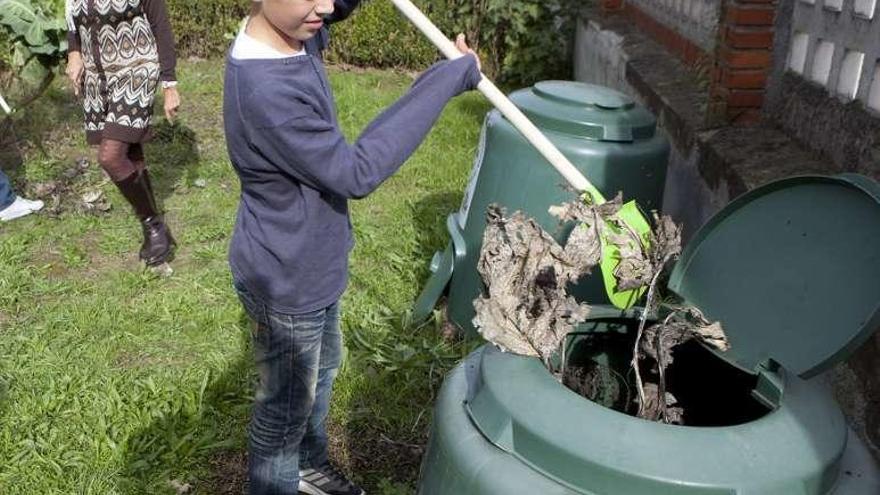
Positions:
{"x": 747, "y": 157}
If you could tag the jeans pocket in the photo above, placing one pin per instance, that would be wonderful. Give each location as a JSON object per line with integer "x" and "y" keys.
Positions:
{"x": 308, "y": 325}
{"x": 254, "y": 308}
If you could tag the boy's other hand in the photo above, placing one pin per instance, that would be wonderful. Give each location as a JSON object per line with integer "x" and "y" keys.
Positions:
{"x": 463, "y": 47}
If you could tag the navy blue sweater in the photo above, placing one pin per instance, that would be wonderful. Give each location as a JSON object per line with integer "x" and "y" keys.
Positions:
{"x": 292, "y": 233}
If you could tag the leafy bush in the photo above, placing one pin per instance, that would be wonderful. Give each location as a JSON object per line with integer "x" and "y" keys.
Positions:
{"x": 520, "y": 41}
{"x": 378, "y": 36}
{"x": 35, "y": 41}
{"x": 205, "y": 28}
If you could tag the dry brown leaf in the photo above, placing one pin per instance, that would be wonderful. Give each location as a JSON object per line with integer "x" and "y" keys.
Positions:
{"x": 525, "y": 308}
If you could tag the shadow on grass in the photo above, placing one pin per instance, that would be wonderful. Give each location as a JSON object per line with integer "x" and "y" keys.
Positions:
{"x": 180, "y": 444}
{"x": 430, "y": 214}
{"x": 171, "y": 155}
{"x": 33, "y": 125}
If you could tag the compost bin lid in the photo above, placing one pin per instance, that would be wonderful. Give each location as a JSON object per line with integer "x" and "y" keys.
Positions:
{"x": 585, "y": 110}
{"x": 791, "y": 270}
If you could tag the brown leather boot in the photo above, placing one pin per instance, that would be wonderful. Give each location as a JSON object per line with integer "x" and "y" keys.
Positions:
{"x": 158, "y": 245}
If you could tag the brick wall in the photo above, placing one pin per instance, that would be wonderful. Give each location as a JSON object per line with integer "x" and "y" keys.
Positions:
{"x": 743, "y": 59}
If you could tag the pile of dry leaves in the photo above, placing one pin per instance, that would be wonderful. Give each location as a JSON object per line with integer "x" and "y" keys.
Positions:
{"x": 526, "y": 308}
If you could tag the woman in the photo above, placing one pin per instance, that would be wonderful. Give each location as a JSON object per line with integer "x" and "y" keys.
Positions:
{"x": 119, "y": 51}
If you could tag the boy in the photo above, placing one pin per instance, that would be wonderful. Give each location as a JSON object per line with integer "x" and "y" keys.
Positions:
{"x": 289, "y": 250}
{"x": 12, "y": 206}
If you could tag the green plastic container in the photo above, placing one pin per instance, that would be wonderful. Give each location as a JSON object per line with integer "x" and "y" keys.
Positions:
{"x": 609, "y": 138}
{"x": 791, "y": 270}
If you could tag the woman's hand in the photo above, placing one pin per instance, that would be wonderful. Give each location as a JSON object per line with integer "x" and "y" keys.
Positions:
{"x": 75, "y": 70}
{"x": 463, "y": 47}
{"x": 172, "y": 103}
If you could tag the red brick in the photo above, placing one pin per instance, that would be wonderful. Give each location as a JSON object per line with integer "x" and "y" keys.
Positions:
{"x": 748, "y": 98}
{"x": 691, "y": 53}
{"x": 745, "y": 59}
{"x": 749, "y": 38}
{"x": 763, "y": 2}
{"x": 750, "y": 15}
{"x": 743, "y": 78}
{"x": 744, "y": 116}
{"x": 612, "y": 4}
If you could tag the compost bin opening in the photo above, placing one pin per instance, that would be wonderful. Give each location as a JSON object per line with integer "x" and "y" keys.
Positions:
{"x": 709, "y": 390}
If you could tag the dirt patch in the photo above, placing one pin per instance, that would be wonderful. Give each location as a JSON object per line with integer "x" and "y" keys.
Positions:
{"x": 369, "y": 454}
{"x": 365, "y": 453}
{"x": 78, "y": 188}
{"x": 228, "y": 474}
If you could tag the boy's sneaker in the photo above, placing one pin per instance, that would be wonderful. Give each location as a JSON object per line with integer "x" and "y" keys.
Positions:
{"x": 326, "y": 480}
{"x": 19, "y": 208}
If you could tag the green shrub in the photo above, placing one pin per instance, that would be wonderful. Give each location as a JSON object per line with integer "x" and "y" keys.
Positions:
{"x": 378, "y": 36}
{"x": 520, "y": 41}
{"x": 204, "y": 28}
{"x": 34, "y": 41}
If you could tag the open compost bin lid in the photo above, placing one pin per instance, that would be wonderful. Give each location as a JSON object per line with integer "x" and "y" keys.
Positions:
{"x": 791, "y": 270}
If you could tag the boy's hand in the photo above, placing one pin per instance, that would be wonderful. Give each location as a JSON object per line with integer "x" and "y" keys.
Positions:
{"x": 462, "y": 46}
{"x": 75, "y": 69}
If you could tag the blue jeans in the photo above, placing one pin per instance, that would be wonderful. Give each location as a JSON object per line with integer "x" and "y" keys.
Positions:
{"x": 6, "y": 194}
{"x": 297, "y": 357}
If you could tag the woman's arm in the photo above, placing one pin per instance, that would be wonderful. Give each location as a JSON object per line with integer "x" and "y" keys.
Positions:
{"x": 75, "y": 66}
{"x": 157, "y": 15}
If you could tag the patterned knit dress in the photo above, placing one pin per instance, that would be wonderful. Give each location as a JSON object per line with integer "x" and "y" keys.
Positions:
{"x": 127, "y": 47}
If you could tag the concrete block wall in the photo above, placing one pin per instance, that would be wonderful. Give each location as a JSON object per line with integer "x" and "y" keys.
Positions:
{"x": 687, "y": 28}
{"x": 695, "y": 20}
{"x": 825, "y": 80}
{"x": 836, "y": 44}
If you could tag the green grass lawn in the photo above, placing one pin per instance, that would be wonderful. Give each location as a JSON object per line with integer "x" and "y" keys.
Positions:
{"x": 115, "y": 380}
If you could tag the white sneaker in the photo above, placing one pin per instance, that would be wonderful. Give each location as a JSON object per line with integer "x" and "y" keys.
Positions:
{"x": 19, "y": 208}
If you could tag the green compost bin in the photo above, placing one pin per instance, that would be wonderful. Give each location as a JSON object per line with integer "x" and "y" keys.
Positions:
{"x": 613, "y": 141}
{"x": 791, "y": 271}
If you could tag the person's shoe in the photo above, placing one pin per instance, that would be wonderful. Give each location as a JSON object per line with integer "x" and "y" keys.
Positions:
{"x": 19, "y": 208}
{"x": 158, "y": 245}
{"x": 326, "y": 480}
